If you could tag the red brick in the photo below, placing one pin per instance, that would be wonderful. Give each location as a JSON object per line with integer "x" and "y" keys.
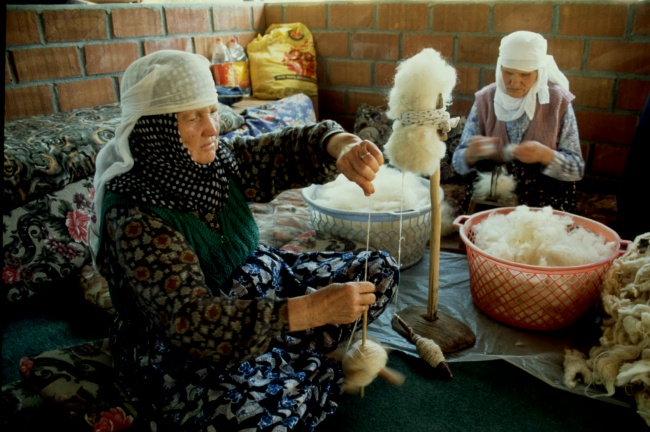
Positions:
{"x": 86, "y": 93}
{"x": 632, "y": 94}
{"x": 378, "y": 46}
{"x": 231, "y": 18}
{"x": 619, "y": 56}
{"x": 180, "y": 43}
{"x": 593, "y": 20}
{"x": 478, "y": 49}
{"x": 641, "y": 25}
{"x": 8, "y": 78}
{"x": 28, "y": 101}
{"x": 311, "y": 15}
{"x": 592, "y": 92}
{"x": 414, "y": 43}
{"x": 110, "y": 57}
{"x": 259, "y": 17}
{"x": 510, "y": 17}
{"x": 46, "y": 63}
{"x": 352, "y": 16}
{"x": 460, "y": 106}
{"x": 403, "y": 17}
{"x": 385, "y": 74}
{"x": 566, "y": 52}
{"x": 272, "y": 15}
{"x": 460, "y": 17}
{"x": 331, "y": 44}
{"x": 608, "y": 160}
{"x": 467, "y": 81}
{"x": 136, "y": 22}
{"x": 606, "y": 127}
{"x": 21, "y": 28}
{"x": 348, "y": 73}
{"x": 74, "y": 25}
{"x": 356, "y": 99}
{"x": 185, "y": 20}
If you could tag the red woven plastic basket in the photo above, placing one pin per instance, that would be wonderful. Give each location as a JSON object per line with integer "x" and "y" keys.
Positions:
{"x": 534, "y": 297}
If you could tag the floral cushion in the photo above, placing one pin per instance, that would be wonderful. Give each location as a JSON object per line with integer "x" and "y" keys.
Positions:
{"x": 77, "y": 384}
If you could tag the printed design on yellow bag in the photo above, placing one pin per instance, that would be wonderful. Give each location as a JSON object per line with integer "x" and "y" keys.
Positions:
{"x": 283, "y": 62}
{"x": 300, "y": 62}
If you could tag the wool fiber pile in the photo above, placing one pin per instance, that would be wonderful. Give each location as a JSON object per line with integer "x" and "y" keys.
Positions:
{"x": 623, "y": 357}
{"x": 391, "y": 187}
{"x": 540, "y": 238}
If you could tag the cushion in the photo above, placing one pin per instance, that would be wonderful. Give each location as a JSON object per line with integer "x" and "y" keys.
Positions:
{"x": 78, "y": 384}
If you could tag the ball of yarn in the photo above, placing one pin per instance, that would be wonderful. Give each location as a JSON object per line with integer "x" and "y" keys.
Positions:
{"x": 362, "y": 363}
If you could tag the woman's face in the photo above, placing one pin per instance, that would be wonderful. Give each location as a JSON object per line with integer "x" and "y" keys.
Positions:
{"x": 518, "y": 82}
{"x": 199, "y": 130}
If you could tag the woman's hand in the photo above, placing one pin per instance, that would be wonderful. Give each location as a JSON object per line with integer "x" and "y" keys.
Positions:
{"x": 335, "y": 304}
{"x": 532, "y": 152}
{"x": 357, "y": 159}
{"x": 482, "y": 147}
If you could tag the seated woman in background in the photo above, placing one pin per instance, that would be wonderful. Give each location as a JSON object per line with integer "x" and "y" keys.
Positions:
{"x": 526, "y": 122}
{"x": 214, "y": 331}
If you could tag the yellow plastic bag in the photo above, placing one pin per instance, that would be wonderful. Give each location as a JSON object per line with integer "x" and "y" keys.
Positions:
{"x": 283, "y": 62}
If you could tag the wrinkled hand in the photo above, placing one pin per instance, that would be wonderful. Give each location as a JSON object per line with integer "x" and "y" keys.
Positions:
{"x": 357, "y": 159}
{"x": 482, "y": 147}
{"x": 338, "y": 303}
{"x": 532, "y": 152}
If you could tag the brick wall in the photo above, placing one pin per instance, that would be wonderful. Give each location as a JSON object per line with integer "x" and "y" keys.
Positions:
{"x": 603, "y": 48}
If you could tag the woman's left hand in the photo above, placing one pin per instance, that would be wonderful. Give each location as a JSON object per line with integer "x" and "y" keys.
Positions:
{"x": 357, "y": 159}
{"x": 532, "y": 152}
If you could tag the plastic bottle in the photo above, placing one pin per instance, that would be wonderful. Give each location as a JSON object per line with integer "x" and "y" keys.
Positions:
{"x": 222, "y": 65}
{"x": 241, "y": 66}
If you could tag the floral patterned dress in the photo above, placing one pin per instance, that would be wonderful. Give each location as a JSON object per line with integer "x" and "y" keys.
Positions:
{"x": 197, "y": 357}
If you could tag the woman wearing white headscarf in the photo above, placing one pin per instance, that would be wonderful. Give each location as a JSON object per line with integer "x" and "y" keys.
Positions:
{"x": 214, "y": 331}
{"x": 526, "y": 121}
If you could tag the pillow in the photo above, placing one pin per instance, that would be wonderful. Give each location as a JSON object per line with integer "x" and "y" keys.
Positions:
{"x": 78, "y": 382}
{"x": 230, "y": 119}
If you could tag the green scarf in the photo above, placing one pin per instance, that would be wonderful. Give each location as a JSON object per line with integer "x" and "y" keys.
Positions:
{"x": 219, "y": 254}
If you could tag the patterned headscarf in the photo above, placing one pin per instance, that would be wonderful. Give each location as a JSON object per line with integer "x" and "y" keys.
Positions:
{"x": 525, "y": 51}
{"x": 164, "y": 174}
{"x": 153, "y": 89}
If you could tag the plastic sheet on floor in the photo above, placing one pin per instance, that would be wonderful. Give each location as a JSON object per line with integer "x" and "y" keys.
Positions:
{"x": 539, "y": 353}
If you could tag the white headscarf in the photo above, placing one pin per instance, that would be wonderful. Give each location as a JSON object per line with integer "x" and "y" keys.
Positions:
{"x": 163, "y": 82}
{"x": 525, "y": 51}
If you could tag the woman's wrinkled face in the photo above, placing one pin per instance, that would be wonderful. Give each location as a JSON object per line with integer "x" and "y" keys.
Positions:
{"x": 199, "y": 131}
{"x": 518, "y": 82}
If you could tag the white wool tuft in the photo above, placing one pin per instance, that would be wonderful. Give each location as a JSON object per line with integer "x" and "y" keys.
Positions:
{"x": 505, "y": 187}
{"x": 539, "y": 238}
{"x": 418, "y": 82}
{"x": 343, "y": 194}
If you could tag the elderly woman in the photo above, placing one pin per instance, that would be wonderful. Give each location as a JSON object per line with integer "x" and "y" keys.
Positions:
{"x": 214, "y": 331}
{"x": 525, "y": 120}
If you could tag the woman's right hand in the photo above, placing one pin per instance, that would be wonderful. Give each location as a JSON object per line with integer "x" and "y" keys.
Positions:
{"x": 482, "y": 147}
{"x": 338, "y": 303}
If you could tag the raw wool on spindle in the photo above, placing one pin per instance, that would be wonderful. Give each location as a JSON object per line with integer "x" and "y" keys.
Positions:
{"x": 539, "y": 238}
{"x": 623, "y": 357}
{"x": 362, "y": 363}
{"x": 415, "y": 145}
